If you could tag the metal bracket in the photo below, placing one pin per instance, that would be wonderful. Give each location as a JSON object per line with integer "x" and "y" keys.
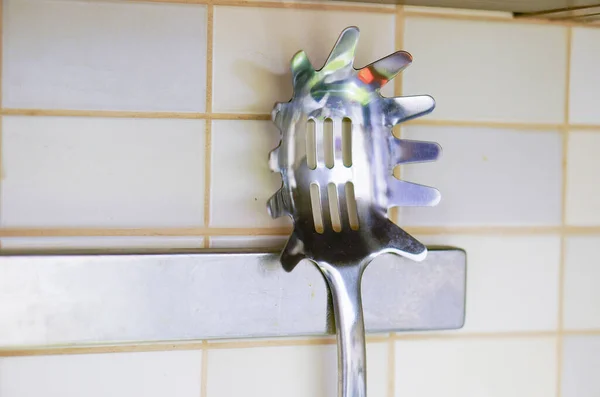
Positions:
{"x": 83, "y": 299}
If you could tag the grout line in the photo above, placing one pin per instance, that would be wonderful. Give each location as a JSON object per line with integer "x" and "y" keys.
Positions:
{"x": 283, "y": 231}
{"x": 475, "y": 335}
{"x": 503, "y": 230}
{"x": 464, "y": 17}
{"x": 318, "y": 341}
{"x": 209, "y": 56}
{"x": 580, "y": 230}
{"x": 204, "y": 371}
{"x": 207, "y": 176}
{"x": 265, "y": 116}
{"x": 208, "y": 125}
{"x": 1, "y": 50}
{"x": 102, "y": 113}
{"x": 140, "y": 232}
{"x": 584, "y": 127}
{"x": 210, "y": 345}
{"x": 391, "y": 365}
{"x": 170, "y": 1}
{"x": 133, "y": 348}
{"x": 399, "y": 30}
{"x": 561, "y": 271}
{"x": 305, "y": 6}
{"x": 485, "y": 124}
{"x": 2, "y": 171}
{"x": 394, "y": 212}
{"x": 272, "y": 343}
{"x": 242, "y": 116}
{"x": 132, "y": 114}
{"x": 569, "y": 40}
{"x": 517, "y": 230}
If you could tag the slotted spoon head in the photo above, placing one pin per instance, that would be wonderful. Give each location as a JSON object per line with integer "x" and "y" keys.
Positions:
{"x": 351, "y": 168}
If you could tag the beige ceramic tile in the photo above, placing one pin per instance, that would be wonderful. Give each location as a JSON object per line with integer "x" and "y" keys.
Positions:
{"x": 87, "y": 172}
{"x": 152, "y": 374}
{"x": 104, "y": 55}
{"x": 583, "y": 189}
{"x": 291, "y": 371}
{"x": 581, "y": 280}
{"x": 476, "y": 367}
{"x": 581, "y": 361}
{"x": 488, "y": 71}
{"x": 512, "y": 281}
{"x": 251, "y": 69}
{"x": 241, "y": 181}
{"x": 488, "y": 177}
{"x": 456, "y": 11}
{"x": 585, "y": 79}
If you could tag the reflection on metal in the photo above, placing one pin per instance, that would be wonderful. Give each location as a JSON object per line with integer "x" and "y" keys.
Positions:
{"x": 322, "y": 220}
{"x": 583, "y": 14}
{"x": 82, "y": 300}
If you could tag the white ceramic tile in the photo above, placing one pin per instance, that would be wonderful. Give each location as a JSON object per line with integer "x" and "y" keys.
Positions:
{"x": 102, "y": 172}
{"x": 476, "y": 367}
{"x": 581, "y": 362}
{"x": 583, "y": 166}
{"x": 241, "y": 181}
{"x": 512, "y": 281}
{"x": 104, "y": 55}
{"x": 267, "y": 242}
{"x": 487, "y": 71}
{"x": 153, "y": 374}
{"x": 585, "y": 80}
{"x": 582, "y": 277}
{"x": 291, "y": 371}
{"x": 488, "y": 177}
{"x": 251, "y": 70}
{"x": 32, "y": 243}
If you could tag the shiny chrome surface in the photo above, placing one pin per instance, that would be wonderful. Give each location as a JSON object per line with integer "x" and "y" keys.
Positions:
{"x": 82, "y": 300}
{"x": 342, "y": 247}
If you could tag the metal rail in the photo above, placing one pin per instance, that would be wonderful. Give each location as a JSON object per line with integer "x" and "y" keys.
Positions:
{"x": 83, "y": 299}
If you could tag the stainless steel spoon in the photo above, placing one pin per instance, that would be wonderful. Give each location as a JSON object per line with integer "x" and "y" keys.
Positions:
{"x": 336, "y": 158}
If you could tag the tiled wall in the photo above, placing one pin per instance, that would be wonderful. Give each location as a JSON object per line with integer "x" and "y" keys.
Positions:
{"x": 125, "y": 120}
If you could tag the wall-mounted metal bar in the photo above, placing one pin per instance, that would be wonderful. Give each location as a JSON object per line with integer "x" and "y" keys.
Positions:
{"x": 83, "y": 299}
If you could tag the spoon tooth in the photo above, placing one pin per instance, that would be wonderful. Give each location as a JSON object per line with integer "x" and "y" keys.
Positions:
{"x": 407, "y": 151}
{"x": 405, "y": 108}
{"x": 275, "y": 114}
{"x": 277, "y": 205}
{"x": 408, "y": 194}
{"x": 380, "y": 72}
{"x": 292, "y": 253}
{"x": 274, "y": 160}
